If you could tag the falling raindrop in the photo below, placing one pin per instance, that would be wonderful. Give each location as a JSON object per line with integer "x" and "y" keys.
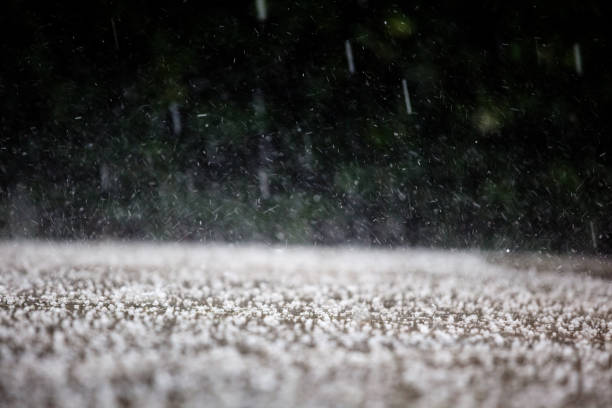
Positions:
{"x": 105, "y": 179}
{"x": 175, "y": 115}
{"x": 593, "y": 235}
{"x": 349, "y": 56}
{"x": 407, "y": 97}
{"x": 115, "y": 34}
{"x": 259, "y": 104}
{"x": 577, "y": 59}
{"x": 264, "y": 184}
{"x": 262, "y": 10}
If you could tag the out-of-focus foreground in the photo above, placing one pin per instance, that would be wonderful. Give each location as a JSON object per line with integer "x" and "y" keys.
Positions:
{"x": 148, "y": 325}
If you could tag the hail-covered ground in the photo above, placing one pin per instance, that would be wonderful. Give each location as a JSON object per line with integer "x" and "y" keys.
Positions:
{"x": 145, "y": 325}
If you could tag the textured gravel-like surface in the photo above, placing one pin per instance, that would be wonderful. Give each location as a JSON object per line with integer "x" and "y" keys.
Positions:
{"x": 219, "y": 326}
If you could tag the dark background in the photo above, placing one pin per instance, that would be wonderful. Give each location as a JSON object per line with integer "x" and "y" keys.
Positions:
{"x": 508, "y": 145}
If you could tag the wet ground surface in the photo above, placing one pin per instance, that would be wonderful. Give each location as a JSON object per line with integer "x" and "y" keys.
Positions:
{"x": 138, "y": 325}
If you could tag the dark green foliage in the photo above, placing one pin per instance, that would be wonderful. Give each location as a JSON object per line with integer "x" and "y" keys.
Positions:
{"x": 508, "y": 145}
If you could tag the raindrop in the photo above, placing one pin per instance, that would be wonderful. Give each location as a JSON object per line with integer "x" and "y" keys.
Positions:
{"x": 105, "y": 179}
{"x": 262, "y": 10}
{"x": 115, "y": 34}
{"x": 577, "y": 59}
{"x": 407, "y": 97}
{"x": 175, "y": 115}
{"x": 264, "y": 184}
{"x": 349, "y": 56}
{"x": 593, "y": 235}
